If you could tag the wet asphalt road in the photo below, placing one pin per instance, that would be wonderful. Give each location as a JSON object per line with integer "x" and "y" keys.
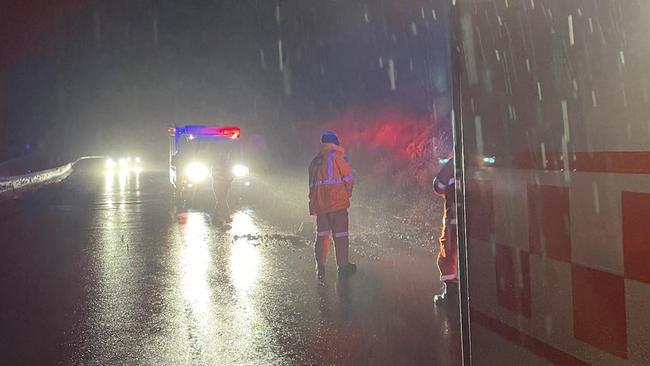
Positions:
{"x": 101, "y": 270}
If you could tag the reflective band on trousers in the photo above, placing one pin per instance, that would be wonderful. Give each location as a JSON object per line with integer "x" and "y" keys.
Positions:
{"x": 330, "y": 180}
{"x": 322, "y": 233}
{"x": 450, "y": 221}
{"x": 449, "y": 277}
{"x": 340, "y": 235}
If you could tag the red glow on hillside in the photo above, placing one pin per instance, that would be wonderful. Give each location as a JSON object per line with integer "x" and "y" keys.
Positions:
{"x": 398, "y": 147}
{"x": 404, "y": 137}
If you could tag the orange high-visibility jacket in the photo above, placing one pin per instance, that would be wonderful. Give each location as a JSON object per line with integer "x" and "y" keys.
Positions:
{"x": 330, "y": 181}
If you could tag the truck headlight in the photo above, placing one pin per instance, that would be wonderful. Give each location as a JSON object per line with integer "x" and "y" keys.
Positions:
{"x": 197, "y": 172}
{"x": 240, "y": 171}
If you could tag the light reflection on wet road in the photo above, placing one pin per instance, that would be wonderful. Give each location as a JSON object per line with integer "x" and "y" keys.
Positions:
{"x": 115, "y": 276}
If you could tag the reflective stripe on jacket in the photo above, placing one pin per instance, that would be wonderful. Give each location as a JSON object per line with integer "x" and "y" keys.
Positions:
{"x": 330, "y": 181}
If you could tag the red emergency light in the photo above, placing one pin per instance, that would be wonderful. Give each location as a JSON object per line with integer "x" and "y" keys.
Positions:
{"x": 232, "y": 131}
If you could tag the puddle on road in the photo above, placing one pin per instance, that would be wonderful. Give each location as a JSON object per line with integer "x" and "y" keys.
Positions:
{"x": 245, "y": 227}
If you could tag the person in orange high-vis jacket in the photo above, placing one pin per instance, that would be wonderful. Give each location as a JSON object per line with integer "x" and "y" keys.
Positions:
{"x": 330, "y": 187}
{"x": 445, "y": 185}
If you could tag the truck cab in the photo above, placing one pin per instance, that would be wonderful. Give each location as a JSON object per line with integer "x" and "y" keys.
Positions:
{"x": 202, "y": 158}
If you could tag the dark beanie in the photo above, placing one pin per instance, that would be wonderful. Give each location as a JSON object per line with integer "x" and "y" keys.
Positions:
{"x": 329, "y": 137}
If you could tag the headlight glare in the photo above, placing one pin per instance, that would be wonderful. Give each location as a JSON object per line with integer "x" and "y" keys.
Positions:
{"x": 240, "y": 171}
{"x": 197, "y": 172}
{"x": 110, "y": 164}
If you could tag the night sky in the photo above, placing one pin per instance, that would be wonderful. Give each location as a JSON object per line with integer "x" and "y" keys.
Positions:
{"x": 91, "y": 77}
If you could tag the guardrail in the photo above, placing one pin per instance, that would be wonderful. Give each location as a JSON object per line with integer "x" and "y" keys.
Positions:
{"x": 23, "y": 182}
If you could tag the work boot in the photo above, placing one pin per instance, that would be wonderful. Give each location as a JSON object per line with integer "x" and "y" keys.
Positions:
{"x": 448, "y": 296}
{"x": 347, "y": 269}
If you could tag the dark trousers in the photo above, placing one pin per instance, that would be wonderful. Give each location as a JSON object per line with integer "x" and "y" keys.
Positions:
{"x": 328, "y": 225}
